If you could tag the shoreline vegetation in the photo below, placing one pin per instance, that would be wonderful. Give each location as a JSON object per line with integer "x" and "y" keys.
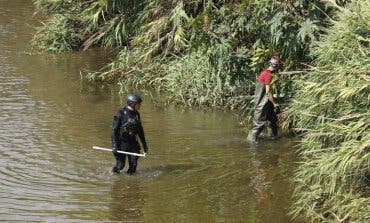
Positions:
{"x": 208, "y": 53}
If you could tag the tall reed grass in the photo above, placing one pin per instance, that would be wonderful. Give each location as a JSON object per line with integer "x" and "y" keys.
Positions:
{"x": 333, "y": 110}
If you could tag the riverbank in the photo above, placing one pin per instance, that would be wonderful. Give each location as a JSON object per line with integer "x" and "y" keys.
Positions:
{"x": 205, "y": 54}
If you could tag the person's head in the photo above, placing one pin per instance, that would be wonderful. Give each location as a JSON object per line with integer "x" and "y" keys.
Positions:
{"x": 134, "y": 101}
{"x": 274, "y": 64}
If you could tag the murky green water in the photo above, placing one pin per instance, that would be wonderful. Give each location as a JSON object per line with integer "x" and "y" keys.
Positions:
{"x": 200, "y": 168}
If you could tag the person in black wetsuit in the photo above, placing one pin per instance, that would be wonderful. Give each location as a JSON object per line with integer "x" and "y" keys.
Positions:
{"x": 125, "y": 129}
{"x": 265, "y": 107}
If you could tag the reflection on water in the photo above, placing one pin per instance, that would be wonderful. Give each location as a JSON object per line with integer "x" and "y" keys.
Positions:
{"x": 199, "y": 169}
{"x": 128, "y": 199}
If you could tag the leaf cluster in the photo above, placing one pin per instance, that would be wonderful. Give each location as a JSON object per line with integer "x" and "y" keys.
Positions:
{"x": 235, "y": 39}
{"x": 58, "y": 34}
{"x": 62, "y": 29}
{"x": 333, "y": 111}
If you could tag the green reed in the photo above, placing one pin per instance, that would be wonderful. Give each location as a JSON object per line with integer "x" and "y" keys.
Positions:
{"x": 333, "y": 108}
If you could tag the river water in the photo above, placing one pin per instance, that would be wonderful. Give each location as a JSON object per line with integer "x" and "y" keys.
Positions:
{"x": 200, "y": 167}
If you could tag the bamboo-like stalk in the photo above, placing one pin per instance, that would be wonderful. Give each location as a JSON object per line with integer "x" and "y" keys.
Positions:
{"x": 332, "y": 182}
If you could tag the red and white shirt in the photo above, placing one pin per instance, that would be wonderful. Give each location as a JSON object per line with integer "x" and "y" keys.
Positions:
{"x": 265, "y": 77}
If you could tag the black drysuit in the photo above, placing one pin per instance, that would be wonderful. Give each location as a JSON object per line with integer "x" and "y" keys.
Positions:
{"x": 264, "y": 111}
{"x": 125, "y": 129}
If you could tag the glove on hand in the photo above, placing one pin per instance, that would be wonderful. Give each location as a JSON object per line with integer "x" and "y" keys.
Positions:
{"x": 277, "y": 110}
{"x": 146, "y": 149}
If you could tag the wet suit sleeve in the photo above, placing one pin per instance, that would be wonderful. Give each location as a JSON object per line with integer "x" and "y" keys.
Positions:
{"x": 142, "y": 135}
{"x": 116, "y": 125}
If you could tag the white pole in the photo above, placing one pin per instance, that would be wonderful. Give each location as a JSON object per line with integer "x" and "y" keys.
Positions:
{"x": 118, "y": 151}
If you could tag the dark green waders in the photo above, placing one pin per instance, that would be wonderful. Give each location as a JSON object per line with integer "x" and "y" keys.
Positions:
{"x": 263, "y": 113}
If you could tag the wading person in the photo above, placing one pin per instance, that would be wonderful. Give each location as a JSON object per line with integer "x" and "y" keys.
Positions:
{"x": 126, "y": 128}
{"x": 265, "y": 107}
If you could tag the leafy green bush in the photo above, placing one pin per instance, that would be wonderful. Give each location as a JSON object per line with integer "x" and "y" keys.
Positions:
{"x": 110, "y": 23}
{"x": 56, "y": 7}
{"x": 235, "y": 38}
{"x": 192, "y": 80}
{"x": 333, "y": 110}
{"x": 58, "y": 34}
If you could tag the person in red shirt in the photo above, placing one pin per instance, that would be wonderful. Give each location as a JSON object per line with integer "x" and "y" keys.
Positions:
{"x": 265, "y": 107}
